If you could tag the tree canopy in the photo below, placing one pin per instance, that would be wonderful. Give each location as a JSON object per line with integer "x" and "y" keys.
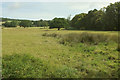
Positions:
{"x": 58, "y": 23}
{"x": 103, "y": 19}
{"x": 40, "y": 23}
{"x": 11, "y": 24}
{"x": 25, "y": 23}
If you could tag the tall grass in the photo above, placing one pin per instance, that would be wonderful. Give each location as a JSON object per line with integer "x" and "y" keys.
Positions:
{"x": 86, "y": 37}
{"x": 51, "y": 35}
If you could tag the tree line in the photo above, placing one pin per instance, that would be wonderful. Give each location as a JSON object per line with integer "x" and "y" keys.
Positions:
{"x": 24, "y": 23}
{"x": 105, "y": 19}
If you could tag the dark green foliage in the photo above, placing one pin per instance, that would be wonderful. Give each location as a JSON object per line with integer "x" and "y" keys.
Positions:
{"x": 103, "y": 19}
{"x": 11, "y": 24}
{"x": 40, "y": 23}
{"x": 25, "y": 23}
{"x": 90, "y": 21}
{"x": 58, "y": 23}
{"x": 77, "y": 20}
{"x": 68, "y": 23}
{"x": 6, "y": 24}
{"x": 111, "y": 16}
{"x": 14, "y": 24}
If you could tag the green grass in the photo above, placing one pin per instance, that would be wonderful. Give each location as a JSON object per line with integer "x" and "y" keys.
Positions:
{"x": 38, "y": 53}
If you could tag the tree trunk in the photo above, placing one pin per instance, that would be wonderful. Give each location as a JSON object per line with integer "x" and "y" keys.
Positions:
{"x": 58, "y": 28}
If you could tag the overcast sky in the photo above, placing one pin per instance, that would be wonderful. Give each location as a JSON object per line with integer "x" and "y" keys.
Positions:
{"x": 48, "y": 10}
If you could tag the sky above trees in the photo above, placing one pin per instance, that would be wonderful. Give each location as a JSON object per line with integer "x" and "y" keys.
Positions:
{"x": 49, "y": 10}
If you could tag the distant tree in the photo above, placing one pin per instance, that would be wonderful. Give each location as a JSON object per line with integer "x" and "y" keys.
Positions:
{"x": 58, "y": 23}
{"x": 69, "y": 22}
{"x": 14, "y": 23}
{"x": 78, "y": 22}
{"x": 25, "y": 23}
{"x": 40, "y": 23}
{"x": 111, "y": 16}
{"x": 45, "y": 24}
{"x": 6, "y": 24}
{"x": 90, "y": 20}
{"x": 37, "y": 23}
{"x": 93, "y": 20}
{"x": 107, "y": 18}
{"x": 11, "y": 24}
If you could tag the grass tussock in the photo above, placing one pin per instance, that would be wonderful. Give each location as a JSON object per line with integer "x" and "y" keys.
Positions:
{"x": 51, "y": 35}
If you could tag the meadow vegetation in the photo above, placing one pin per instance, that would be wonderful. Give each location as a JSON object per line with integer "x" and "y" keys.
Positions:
{"x": 49, "y": 53}
{"x": 86, "y": 46}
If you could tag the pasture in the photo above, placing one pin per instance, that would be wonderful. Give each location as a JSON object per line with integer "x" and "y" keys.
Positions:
{"x": 49, "y": 53}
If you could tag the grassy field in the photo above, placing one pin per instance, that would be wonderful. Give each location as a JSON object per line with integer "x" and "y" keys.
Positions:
{"x": 48, "y": 53}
